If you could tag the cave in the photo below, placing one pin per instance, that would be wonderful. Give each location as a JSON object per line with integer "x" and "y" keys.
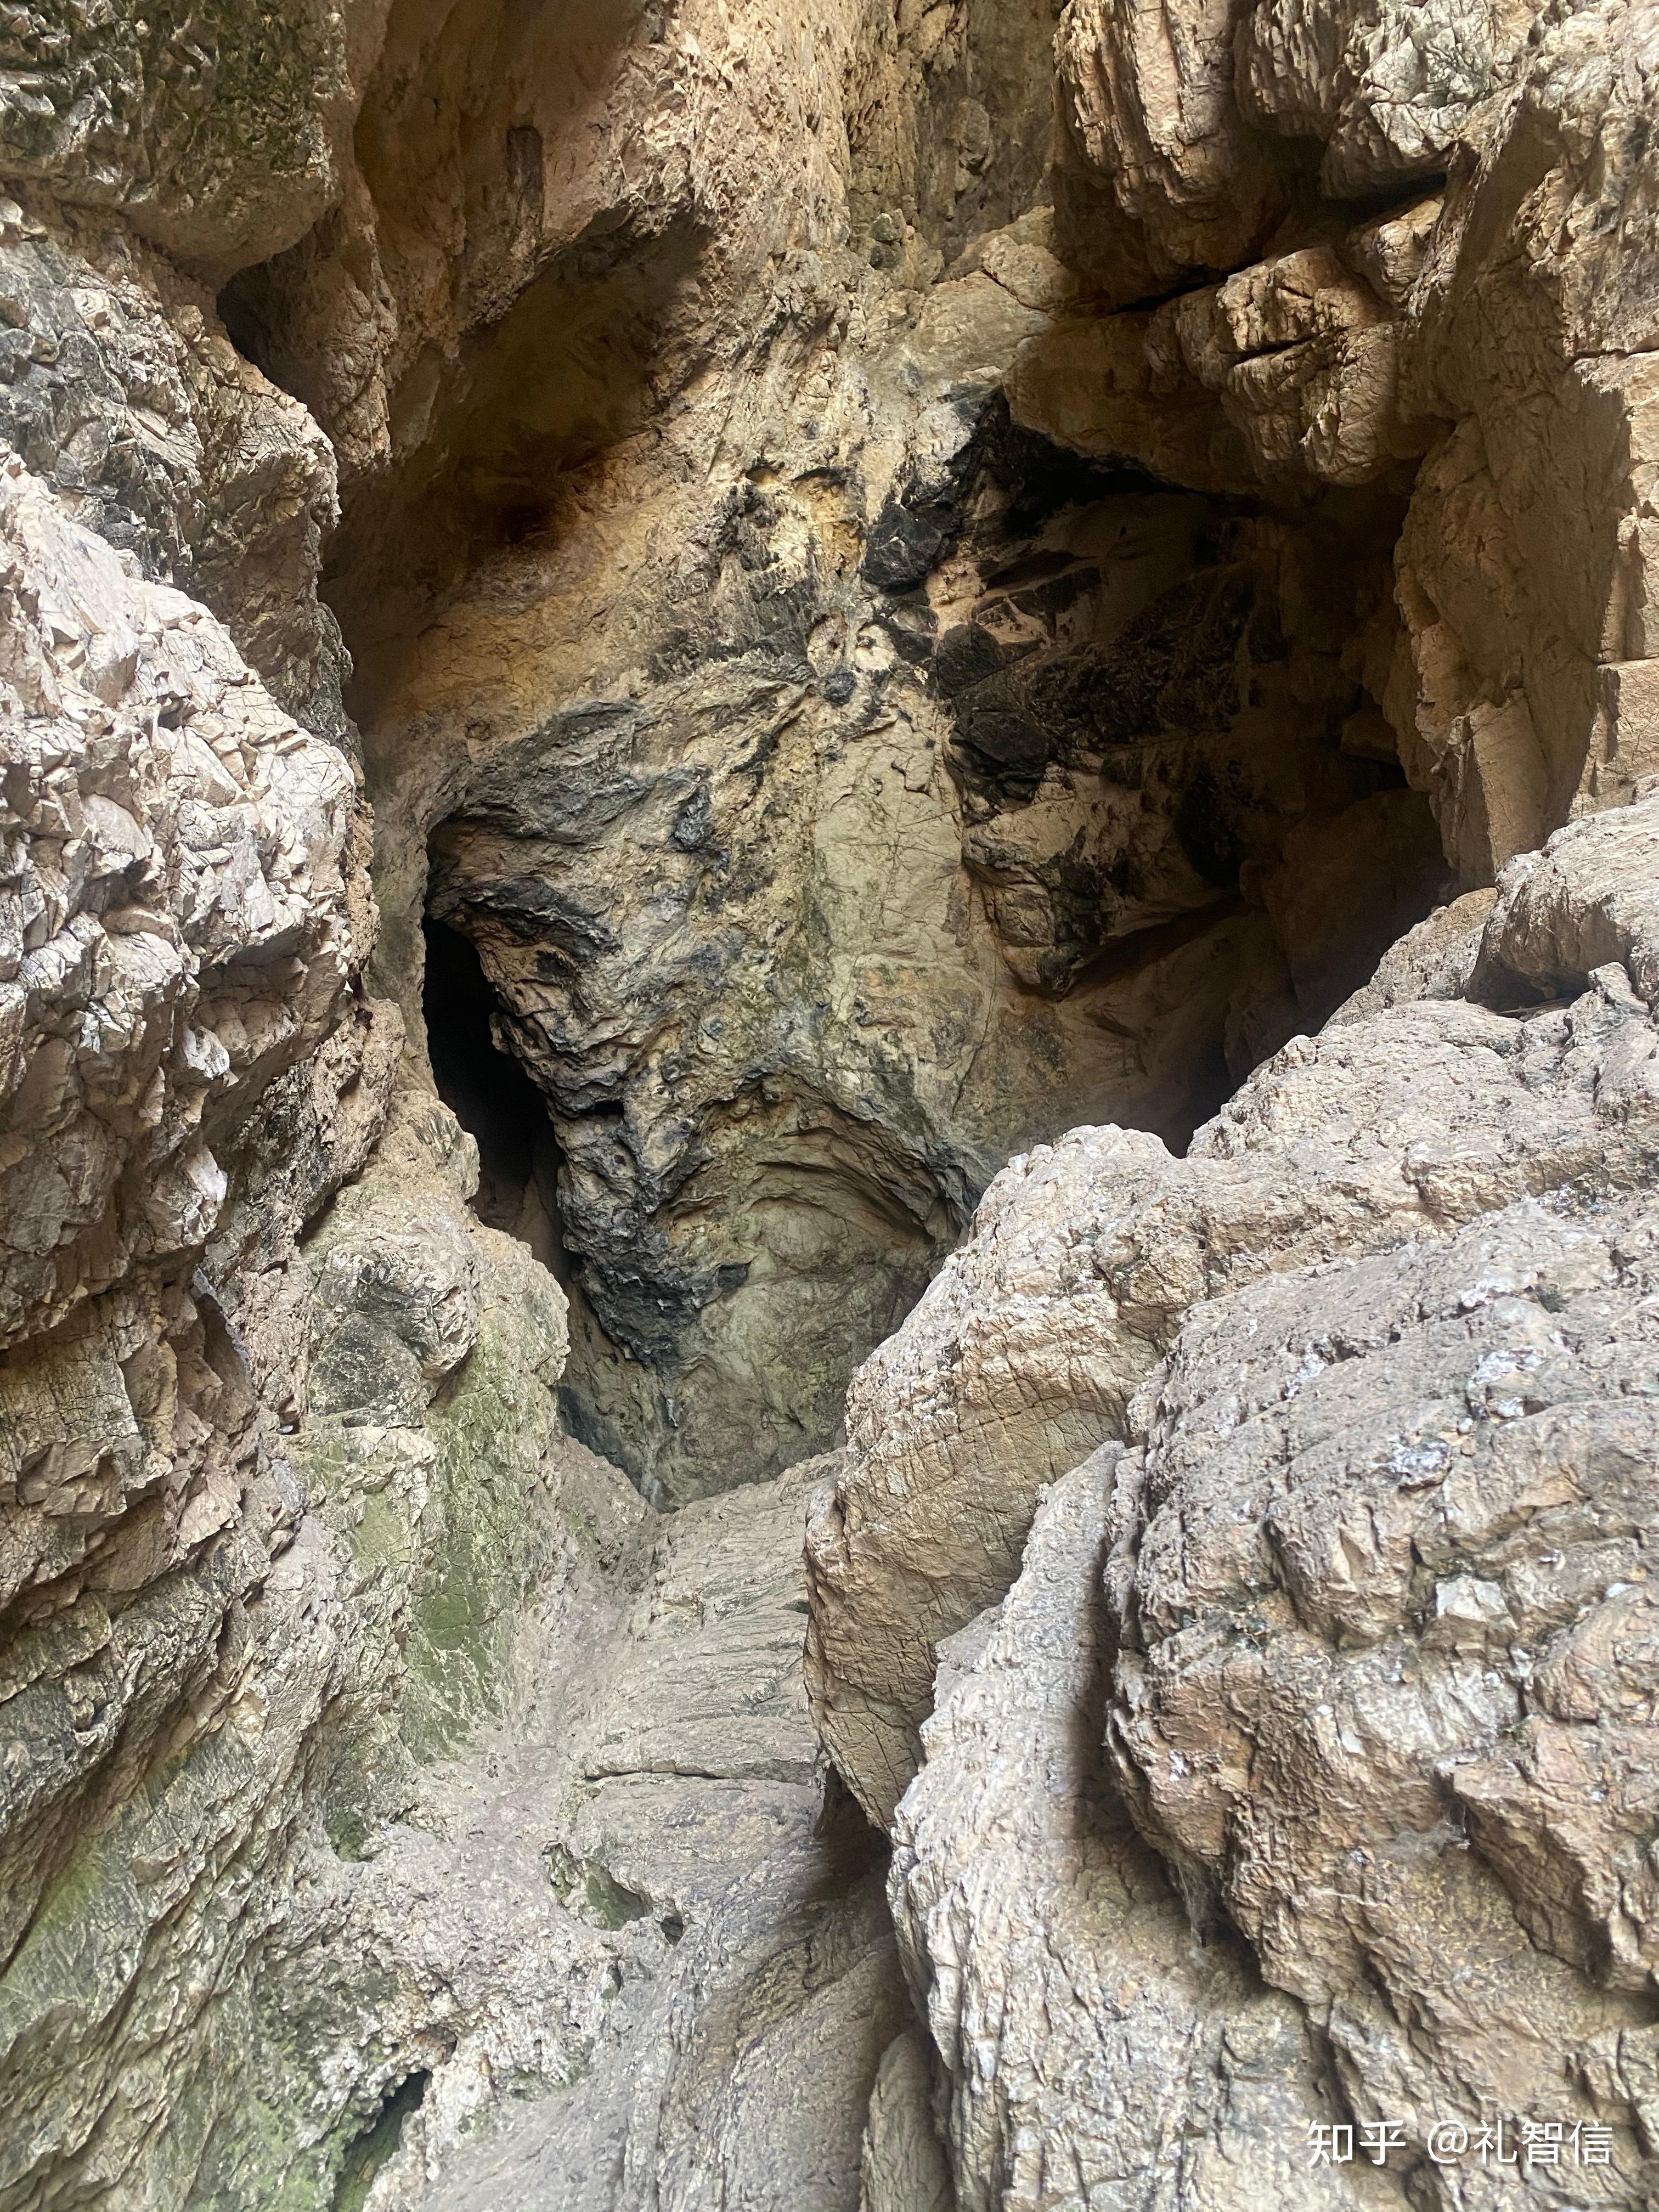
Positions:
{"x": 493, "y": 1099}
{"x": 1178, "y": 839}
{"x": 828, "y": 1083}
{"x": 842, "y": 792}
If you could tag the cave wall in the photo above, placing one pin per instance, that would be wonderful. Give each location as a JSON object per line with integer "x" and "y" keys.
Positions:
{"x": 887, "y": 649}
{"x": 844, "y": 781}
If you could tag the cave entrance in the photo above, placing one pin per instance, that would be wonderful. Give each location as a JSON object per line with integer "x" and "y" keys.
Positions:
{"x": 493, "y": 1098}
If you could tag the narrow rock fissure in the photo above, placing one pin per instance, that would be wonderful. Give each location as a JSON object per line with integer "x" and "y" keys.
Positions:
{"x": 493, "y": 1099}
{"x": 378, "y": 2143}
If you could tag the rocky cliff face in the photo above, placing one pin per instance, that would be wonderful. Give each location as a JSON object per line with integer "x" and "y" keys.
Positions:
{"x": 841, "y": 784}
{"x": 693, "y": 694}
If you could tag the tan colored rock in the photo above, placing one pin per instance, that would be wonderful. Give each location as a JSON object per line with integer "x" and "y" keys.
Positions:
{"x": 1090, "y": 384}
{"x": 1147, "y": 104}
{"x": 1423, "y": 1517}
{"x": 1391, "y": 252}
{"x": 1434, "y": 960}
{"x": 847, "y": 771}
{"x": 1522, "y": 565}
{"x": 1584, "y": 903}
{"x": 1025, "y": 260}
{"x": 904, "y": 2166}
{"x": 1344, "y": 885}
{"x": 969, "y": 832}
{"x": 1305, "y": 360}
{"x": 1387, "y": 89}
{"x": 651, "y": 1816}
{"x": 1364, "y": 1609}
{"x": 124, "y": 391}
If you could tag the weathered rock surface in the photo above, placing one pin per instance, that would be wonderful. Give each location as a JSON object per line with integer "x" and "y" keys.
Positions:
{"x": 1042, "y": 848}
{"x": 664, "y": 1778}
{"x": 919, "y": 577}
{"x": 1531, "y": 693}
{"x": 186, "y": 911}
{"x": 1389, "y": 91}
{"x": 1497, "y": 326}
{"x": 1028, "y": 1346}
{"x": 1148, "y": 108}
{"x": 123, "y": 392}
{"x": 191, "y": 1071}
{"x": 1345, "y": 1625}
{"x": 1099, "y": 2049}
{"x": 215, "y": 137}
{"x": 208, "y": 1660}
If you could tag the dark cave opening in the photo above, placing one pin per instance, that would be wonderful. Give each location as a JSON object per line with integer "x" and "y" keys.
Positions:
{"x": 378, "y": 2142}
{"x": 492, "y": 1097}
{"x": 1180, "y": 841}
{"x": 495, "y": 1101}
{"x": 1177, "y": 845}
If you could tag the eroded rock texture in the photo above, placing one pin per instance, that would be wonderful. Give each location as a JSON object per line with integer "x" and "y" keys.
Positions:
{"x": 681, "y": 684}
{"x": 842, "y": 786}
{"x": 1341, "y": 1619}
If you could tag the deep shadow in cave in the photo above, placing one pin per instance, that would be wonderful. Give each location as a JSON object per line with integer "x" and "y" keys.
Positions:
{"x": 378, "y": 2143}
{"x": 520, "y": 1158}
{"x": 492, "y": 445}
{"x": 493, "y": 1099}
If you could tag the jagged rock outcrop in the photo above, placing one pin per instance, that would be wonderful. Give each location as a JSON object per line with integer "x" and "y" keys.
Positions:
{"x": 1097, "y": 2050}
{"x": 122, "y": 391}
{"x": 1029, "y": 1345}
{"x": 188, "y": 909}
{"x": 1344, "y": 1621}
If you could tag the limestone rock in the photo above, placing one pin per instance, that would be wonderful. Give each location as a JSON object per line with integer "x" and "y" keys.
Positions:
{"x": 1493, "y": 326}
{"x": 1098, "y": 2048}
{"x": 123, "y": 391}
{"x": 886, "y": 633}
{"x": 182, "y": 920}
{"x": 1049, "y": 799}
{"x": 1147, "y": 104}
{"x": 1471, "y": 1384}
{"x": 658, "y": 1786}
{"x": 904, "y": 2166}
{"x": 1434, "y": 960}
{"x": 243, "y": 1621}
{"x": 1103, "y": 385}
{"x": 723, "y": 644}
{"x": 1305, "y": 358}
{"x": 214, "y": 133}
{"x": 1025, "y": 1349}
{"x": 1388, "y": 89}
{"x": 1521, "y": 565}
{"x": 1349, "y": 1628}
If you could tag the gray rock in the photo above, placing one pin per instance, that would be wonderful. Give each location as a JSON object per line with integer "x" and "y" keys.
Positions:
{"x": 1351, "y": 1629}
{"x": 1028, "y": 1346}
{"x": 1099, "y": 2049}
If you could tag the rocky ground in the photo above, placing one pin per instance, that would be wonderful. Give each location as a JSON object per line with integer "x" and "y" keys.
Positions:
{"x": 698, "y": 701}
